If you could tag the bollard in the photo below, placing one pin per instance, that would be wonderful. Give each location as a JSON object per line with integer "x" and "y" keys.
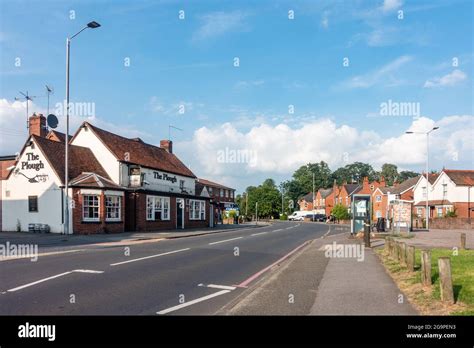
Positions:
{"x": 426, "y": 267}
{"x": 463, "y": 241}
{"x": 411, "y": 258}
{"x": 395, "y": 251}
{"x": 403, "y": 255}
{"x": 445, "y": 280}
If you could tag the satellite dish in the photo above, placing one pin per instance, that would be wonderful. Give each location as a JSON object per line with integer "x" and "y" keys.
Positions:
{"x": 52, "y": 121}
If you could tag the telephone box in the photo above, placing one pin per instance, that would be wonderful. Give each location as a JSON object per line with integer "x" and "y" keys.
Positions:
{"x": 360, "y": 209}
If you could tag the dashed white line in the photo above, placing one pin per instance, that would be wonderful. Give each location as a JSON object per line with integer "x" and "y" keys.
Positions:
{"x": 149, "y": 257}
{"x": 190, "y": 303}
{"x": 280, "y": 229}
{"x": 226, "y": 240}
{"x": 257, "y": 234}
{"x": 215, "y": 286}
{"x": 53, "y": 277}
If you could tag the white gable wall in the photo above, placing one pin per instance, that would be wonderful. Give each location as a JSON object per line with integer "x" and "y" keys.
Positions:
{"x": 455, "y": 193}
{"x": 87, "y": 138}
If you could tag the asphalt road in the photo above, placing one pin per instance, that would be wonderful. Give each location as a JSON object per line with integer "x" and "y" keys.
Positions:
{"x": 193, "y": 275}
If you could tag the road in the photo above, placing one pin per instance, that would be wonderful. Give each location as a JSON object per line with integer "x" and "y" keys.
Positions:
{"x": 193, "y": 275}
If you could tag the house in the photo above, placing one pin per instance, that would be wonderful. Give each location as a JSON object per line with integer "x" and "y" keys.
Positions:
{"x": 420, "y": 192}
{"x": 222, "y": 196}
{"x": 306, "y": 202}
{"x": 451, "y": 191}
{"x": 57, "y": 136}
{"x": 345, "y": 193}
{"x": 116, "y": 184}
{"x": 320, "y": 200}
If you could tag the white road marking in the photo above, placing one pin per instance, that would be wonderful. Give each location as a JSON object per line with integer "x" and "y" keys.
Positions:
{"x": 190, "y": 303}
{"x": 8, "y": 258}
{"x": 149, "y": 257}
{"x": 215, "y": 286}
{"x": 256, "y": 234}
{"x": 289, "y": 227}
{"x": 280, "y": 229}
{"x": 223, "y": 241}
{"x": 53, "y": 277}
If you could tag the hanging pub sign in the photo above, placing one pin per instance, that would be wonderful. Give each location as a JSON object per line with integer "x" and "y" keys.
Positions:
{"x": 33, "y": 162}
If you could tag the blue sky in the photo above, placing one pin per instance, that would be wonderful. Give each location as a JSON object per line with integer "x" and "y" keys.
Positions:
{"x": 299, "y": 62}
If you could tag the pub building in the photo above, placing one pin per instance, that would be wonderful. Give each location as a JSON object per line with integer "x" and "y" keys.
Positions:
{"x": 116, "y": 184}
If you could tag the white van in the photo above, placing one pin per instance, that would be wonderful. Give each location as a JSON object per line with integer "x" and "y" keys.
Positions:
{"x": 298, "y": 215}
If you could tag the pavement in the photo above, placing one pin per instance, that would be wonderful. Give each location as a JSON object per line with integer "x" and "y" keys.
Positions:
{"x": 311, "y": 283}
{"x": 435, "y": 238}
{"x": 181, "y": 276}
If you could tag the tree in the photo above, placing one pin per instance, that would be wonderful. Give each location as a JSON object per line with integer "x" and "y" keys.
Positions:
{"x": 406, "y": 174}
{"x": 340, "y": 212}
{"x": 390, "y": 173}
{"x": 268, "y": 197}
{"x": 354, "y": 172}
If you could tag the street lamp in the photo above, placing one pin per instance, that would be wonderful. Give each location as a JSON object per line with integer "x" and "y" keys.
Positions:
{"x": 427, "y": 166}
{"x": 91, "y": 25}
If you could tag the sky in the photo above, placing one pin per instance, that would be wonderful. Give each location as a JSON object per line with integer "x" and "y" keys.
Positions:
{"x": 256, "y": 88}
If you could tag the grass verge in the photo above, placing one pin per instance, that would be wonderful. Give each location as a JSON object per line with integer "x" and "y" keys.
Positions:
{"x": 427, "y": 299}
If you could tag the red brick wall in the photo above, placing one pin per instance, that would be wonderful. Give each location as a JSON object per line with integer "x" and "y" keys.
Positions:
{"x": 451, "y": 223}
{"x": 3, "y": 168}
{"x": 462, "y": 209}
{"x": 102, "y": 226}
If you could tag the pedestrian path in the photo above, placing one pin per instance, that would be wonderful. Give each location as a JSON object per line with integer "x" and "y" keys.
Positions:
{"x": 352, "y": 287}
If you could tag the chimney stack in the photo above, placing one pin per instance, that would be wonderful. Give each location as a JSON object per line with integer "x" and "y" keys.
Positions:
{"x": 167, "y": 145}
{"x": 37, "y": 125}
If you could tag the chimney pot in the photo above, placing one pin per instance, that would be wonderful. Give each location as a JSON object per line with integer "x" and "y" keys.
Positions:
{"x": 167, "y": 145}
{"x": 37, "y": 125}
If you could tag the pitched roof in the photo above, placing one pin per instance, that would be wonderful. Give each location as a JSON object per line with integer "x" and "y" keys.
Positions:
{"x": 59, "y": 135}
{"x": 405, "y": 185}
{"x": 212, "y": 183}
{"x": 141, "y": 153}
{"x": 307, "y": 197}
{"x": 81, "y": 159}
{"x": 352, "y": 188}
{"x": 325, "y": 192}
{"x": 432, "y": 177}
{"x": 93, "y": 180}
{"x": 461, "y": 177}
{"x": 434, "y": 202}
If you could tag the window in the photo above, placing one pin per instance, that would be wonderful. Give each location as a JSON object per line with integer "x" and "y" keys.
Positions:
{"x": 440, "y": 212}
{"x": 419, "y": 211}
{"x": 90, "y": 208}
{"x": 210, "y": 190}
{"x": 347, "y": 200}
{"x": 222, "y": 193}
{"x": 226, "y": 193}
{"x": 378, "y": 214}
{"x": 197, "y": 210}
{"x": 445, "y": 190}
{"x": 378, "y": 198}
{"x": 424, "y": 192}
{"x": 113, "y": 205}
{"x": 157, "y": 208}
{"x": 33, "y": 204}
{"x": 181, "y": 184}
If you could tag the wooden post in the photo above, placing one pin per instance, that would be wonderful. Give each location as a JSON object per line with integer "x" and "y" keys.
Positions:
{"x": 395, "y": 251}
{"x": 463, "y": 241}
{"x": 386, "y": 245}
{"x": 426, "y": 267}
{"x": 411, "y": 258}
{"x": 445, "y": 280}
{"x": 403, "y": 254}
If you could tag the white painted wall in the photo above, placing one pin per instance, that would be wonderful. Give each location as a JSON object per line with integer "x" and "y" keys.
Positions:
{"x": 15, "y": 205}
{"x": 87, "y": 138}
{"x": 163, "y": 185}
{"x": 455, "y": 193}
{"x": 418, "y": 191}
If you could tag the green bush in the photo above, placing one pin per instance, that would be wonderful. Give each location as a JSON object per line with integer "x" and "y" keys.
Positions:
{"x": 340, "y": 212}
{"x": 283, "y": 217}
{"x": 451, "y": 213}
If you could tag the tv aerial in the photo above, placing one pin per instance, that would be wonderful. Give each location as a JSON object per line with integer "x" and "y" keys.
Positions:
{"x": 49, "y": 91}
{"x": 27, "y": 98}
{"x": 169, "y": 130}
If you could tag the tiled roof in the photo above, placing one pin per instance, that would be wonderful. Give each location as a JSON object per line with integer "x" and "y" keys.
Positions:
{"x": 461, "y": 177}
{"x": 307, "y": 197}
{"x": 351, "y": 188}
{"x": 93, "y": 180}
{"x": 81, "y": 159}
{"x": 432, "y": 177}
{"x": 140, "y": 153}
{"x": 325, "y": 192}
{"x": 59, "y": 135}
{"x": 434, "y": 202}
{"x": 212, "y": 183}
{"x": 405, "y": 185}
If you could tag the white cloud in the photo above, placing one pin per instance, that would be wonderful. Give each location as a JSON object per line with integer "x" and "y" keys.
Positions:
{"x": 391, "y": 5}
{"x": 217, "y": 24}
{"x": 383, "y": 75}
{"x": 325, "y": 20}
{"x": 245, "y": 84}
{"x": 279, "y": 150}
{"x": 450, "y": 79}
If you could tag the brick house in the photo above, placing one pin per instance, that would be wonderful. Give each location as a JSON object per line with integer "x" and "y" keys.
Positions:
{"x": 116, "y": 184}
{"x": 306, "y": 202}
{"x": 222, "y": 197}
{"x": 320, "y": 201}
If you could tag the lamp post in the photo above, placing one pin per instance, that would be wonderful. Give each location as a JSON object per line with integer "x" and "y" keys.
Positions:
{"x": 91, "y": 25}
{"x": 427, "y": 169}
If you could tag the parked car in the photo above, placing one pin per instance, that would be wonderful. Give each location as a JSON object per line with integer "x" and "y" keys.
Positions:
{"x": 297, "y": 216}
{"x": 316, "y": 217}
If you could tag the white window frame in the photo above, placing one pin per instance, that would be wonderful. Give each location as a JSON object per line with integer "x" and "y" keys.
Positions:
{"x": 115, "y": 207}
{"x": 157, "y": 204}
{"x": 445, "y": 190}
{"x": 197, "y": 209}
{"x": 84, "y": 206}
{"x": 437, "y": 211}
{"x": 419, "y": 211}
{"x": 378, "y": 198}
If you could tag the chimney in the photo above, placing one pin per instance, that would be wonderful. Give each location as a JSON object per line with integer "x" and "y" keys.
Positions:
{"x": 37, "y": 125}
{"x": 382, "y": 181}
{"x": 365, "y": 182}
{"x": 167, "y": 145}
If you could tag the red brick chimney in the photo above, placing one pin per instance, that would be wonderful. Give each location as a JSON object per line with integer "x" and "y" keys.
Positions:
{"x": 37, "y": 125}
{"x": 167, "y": 145}
{"x": 382, "y": 181}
